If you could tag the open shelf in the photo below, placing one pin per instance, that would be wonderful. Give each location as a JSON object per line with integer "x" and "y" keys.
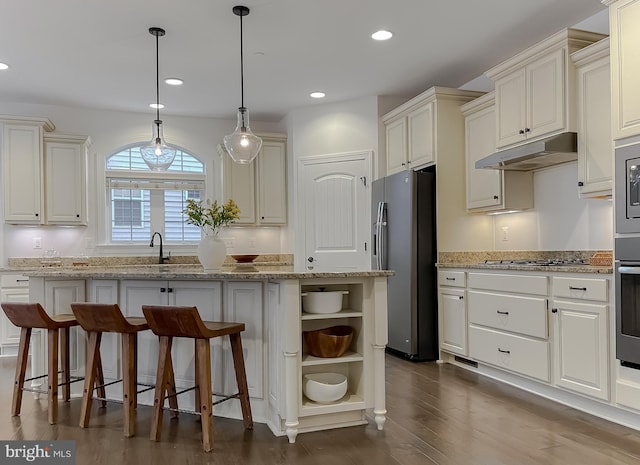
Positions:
{"x": 348, "y": 402}
{"x": 347, "y": 313}
{"x": 348, "y": 357}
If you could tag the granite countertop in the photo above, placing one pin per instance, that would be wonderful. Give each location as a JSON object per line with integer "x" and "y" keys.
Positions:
{"x": 188, "y": 271}
{"x": 475, "y": 260}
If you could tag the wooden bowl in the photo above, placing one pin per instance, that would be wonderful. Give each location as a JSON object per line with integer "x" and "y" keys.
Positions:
{"x": 244, "y": 258}
{"x": 328, "y": 342}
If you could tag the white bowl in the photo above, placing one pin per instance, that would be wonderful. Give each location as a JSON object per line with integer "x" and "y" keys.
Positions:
{"x": 322, "y": 301}
{"x": 324, "y": 387}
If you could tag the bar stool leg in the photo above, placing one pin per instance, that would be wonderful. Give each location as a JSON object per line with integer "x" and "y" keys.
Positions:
{"x": 21, "y": 368}
{"x": 91, "y": 371}
{"x": 100, "y": 377}
{"x": 52, "y": 376}
{"x": 164, "y": 358}
{"x": 64, "y": 360}
{"x": 171, "y": 389}
{"x": 129, "y": 384}
{"x": 241, "y": 379}
{"x": 196, "y": 364}
{"x": 203, "y": 349}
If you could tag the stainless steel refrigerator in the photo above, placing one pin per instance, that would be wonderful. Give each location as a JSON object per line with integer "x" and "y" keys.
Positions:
{"x": 404, "y": 240}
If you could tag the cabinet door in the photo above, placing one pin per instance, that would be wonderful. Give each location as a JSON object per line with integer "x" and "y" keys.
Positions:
{"x": 484, "y": 187}
{"x": 510, "y": 108}
{"x": 272, "y": 183}
{"x": 545, "y": 100}
{"x": 453, "y": 329}
{"x": 21, "y": 166}
{"x": 420, "y": 136}
{"x": 396, "y": 145}
{"x": 582, "y": 347}
{"x": 595, "y": 149}
{"x": 625, "y": 73}
{"x": 10, "y": 334}
{"x": 239, "y": 185}
{"x": 65, "y": 182}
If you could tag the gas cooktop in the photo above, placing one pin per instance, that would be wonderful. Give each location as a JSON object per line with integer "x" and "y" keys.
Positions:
{"x": 542, "y": 262}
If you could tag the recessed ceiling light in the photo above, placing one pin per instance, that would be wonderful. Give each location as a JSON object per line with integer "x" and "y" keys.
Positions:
{"x": 317, "y": 95}
{"x": 4, "y": 66}
{"x": 174, "y": 81}
{"x": 382, "y": 35}
{"x": 156, "y": 105}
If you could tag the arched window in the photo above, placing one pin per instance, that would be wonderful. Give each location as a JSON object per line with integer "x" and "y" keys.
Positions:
{"x": 142, "y": 202}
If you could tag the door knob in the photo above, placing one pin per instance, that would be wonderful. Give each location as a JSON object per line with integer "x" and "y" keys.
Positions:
{"x": 310, "y": 259}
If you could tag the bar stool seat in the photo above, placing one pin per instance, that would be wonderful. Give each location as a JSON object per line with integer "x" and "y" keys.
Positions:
{"x": 96, "y": 319}
{"x": 168, "y": 322}
{"x": 28, "y": 316}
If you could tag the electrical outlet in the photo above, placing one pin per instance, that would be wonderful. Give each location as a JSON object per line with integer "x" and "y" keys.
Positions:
{"x": 229, "y": 241}
{"x": 37, "y": 242}
{"x": 505, "y": 233}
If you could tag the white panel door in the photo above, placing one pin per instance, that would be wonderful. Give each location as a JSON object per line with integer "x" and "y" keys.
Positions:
{"x": 545, "y": 95}
{"x": 335, "y": 199}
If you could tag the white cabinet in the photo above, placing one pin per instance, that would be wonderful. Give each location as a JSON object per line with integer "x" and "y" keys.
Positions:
{"x": 581, "y": 347}
{"x": 488, "y": 189}
{"x": 22, "y": 156}
{"x": 452, "y": 311}
{"x": 624, "y": 17}
{"x": 595, "y": 147}
{"x": 508, "y": 322}
{"x": 13, "y": 288}
{"x": 534, "y": 90}
{"x": 259, "y": 188}
{"x": 411, "y": 129}
{"x": 65, "y": 179}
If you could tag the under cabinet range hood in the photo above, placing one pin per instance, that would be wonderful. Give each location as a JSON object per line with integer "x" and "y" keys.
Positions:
{"x": 553, "y": 150}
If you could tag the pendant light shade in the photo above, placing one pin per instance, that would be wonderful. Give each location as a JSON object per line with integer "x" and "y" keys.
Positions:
{"x": 242, "y": 145}
{"x": 157, "y": 154}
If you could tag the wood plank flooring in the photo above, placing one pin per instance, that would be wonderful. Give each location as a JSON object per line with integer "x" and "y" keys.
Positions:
{"x": 437, "y": 414}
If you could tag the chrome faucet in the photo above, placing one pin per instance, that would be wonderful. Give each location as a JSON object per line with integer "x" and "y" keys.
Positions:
{"x": 161, "y": 258}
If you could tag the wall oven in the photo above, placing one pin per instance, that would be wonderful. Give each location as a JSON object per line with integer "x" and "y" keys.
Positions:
{"x": 627, "y": 190}
{"x": 627, "y": 281}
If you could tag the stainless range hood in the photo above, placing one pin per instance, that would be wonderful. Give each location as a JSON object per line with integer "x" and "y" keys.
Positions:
{"x": 553, "y": 150}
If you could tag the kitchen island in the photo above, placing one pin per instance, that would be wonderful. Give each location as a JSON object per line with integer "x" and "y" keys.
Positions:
{"x": 269, "y": 303}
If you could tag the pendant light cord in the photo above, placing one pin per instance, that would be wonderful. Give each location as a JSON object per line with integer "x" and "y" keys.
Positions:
{"x": 157, "y": 81}
{"x": 241, "y": 66}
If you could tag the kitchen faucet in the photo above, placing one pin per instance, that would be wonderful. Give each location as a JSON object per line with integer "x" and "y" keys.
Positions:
{"x": 161, "y": 258}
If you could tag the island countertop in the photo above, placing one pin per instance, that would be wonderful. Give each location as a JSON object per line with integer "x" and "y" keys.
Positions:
{"x": 192, "y": 272}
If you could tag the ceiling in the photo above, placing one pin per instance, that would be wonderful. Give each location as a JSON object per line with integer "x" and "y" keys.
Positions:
{"x": 99, "y": 54}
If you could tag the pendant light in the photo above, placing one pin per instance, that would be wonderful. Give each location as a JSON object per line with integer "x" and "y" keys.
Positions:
{"x": 242, "y": 145}
{"x": 157, "y": 154}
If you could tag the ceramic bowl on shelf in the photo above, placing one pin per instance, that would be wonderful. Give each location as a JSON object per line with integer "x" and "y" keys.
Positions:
{"x": 328, "y": 342}
{"x": 322, "y": 301}
{"x": 324, "y": 387}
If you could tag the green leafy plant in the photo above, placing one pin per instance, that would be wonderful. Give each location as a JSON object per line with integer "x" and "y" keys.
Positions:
{"x": 211, "y": 217}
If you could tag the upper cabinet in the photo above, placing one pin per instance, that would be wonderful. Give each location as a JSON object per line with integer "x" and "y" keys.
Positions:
{"x": 624, "y": 17}
{"x": 259, "y": 188}
{"x": 411, "y": 129}
{"x": 489, "y": 189}
{"x": 534, "y": 90}
{"x": 595, "y": 147}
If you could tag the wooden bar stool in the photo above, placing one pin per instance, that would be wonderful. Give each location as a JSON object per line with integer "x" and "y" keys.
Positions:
{"x": 168, "y": 322}
{"x": 96, "y": 319}
{"x": 28, "y": 316}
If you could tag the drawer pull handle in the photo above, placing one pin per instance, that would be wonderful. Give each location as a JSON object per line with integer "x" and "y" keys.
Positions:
{"x": 572, "y": 288}
{"x": 451, "y": 279}
{"x": 501, "y": 312}
{"x": 503, "y": 351}
{"x": 22, "y": 280}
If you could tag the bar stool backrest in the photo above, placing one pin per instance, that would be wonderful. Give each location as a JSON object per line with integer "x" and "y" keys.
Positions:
{"x": 175, "y": 321}
{"x": 101, "y": 317}
{"x": 27, "y": 315}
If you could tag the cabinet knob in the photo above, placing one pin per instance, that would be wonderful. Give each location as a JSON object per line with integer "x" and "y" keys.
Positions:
{"x": 527, "y": 130}
{"x": 77, "y": 216}
{"x": 37, "y": 215}
{"x": 554, "y": 310}
{"x": 495, "y": 197}
{"x": 163, "y": 289}
{"x": 310, "y": 259}
{"x": 460, "y": 297}
{"x": 404, "y": 164}
{"x": 521, "y": 131}
{"x": 580, "y": 184}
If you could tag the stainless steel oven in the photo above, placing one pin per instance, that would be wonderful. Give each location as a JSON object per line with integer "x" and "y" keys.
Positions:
{"x": 627, "y": 182}
{"x": 627, "y": 280}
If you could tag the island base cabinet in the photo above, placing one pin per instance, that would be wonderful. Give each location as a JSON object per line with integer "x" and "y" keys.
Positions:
{"x": 519, "y": 354}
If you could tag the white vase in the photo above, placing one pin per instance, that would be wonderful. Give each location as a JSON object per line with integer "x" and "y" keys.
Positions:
{"x": 211, "y": 252}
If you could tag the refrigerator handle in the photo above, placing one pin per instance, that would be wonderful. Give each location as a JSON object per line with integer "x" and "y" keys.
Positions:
{"x": 382, "y": 237}
{"x": 377, "y": 237}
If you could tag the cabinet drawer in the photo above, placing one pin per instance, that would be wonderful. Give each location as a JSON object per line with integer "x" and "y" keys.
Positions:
{"x": 452, "y": 278}
{"x": 580, "y": 288}
{"x": 519, "y": 354}
{"x": 13, "y": 280}
{"x": 519, "y": 314}
{"x": 523, "y": 284}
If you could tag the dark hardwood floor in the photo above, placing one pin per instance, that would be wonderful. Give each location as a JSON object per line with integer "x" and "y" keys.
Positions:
{"x": 437, "y": 414}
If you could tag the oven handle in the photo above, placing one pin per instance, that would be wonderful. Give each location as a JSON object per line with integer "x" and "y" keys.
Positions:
{"x": 629, "y": 269}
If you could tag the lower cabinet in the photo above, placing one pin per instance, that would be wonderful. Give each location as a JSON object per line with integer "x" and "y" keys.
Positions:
{"x": 13, "y": 288}
{"x": 453, "y": 312}
{"x": 581, "y": 350}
